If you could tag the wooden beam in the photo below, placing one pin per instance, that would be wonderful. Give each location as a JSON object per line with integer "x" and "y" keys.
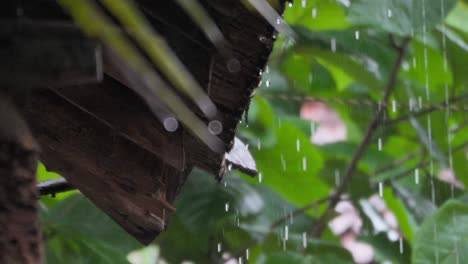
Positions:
{"x": 127, "y": 182}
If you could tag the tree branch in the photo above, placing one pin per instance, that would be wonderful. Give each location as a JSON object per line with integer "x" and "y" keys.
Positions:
{"x": 376, "y": 122}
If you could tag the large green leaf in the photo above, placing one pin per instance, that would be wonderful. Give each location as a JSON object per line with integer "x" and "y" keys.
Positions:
{"x": 442, "y": 238}
{"x": 78, "y": 232}
{"x": 317, "y": 15}
{"x": 292, "y": 165}
{"x": 401, "y": 17}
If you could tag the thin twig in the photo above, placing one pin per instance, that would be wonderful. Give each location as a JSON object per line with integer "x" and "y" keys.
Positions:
{"x": 376, "y": 122}
{"x": 427, "y": 109}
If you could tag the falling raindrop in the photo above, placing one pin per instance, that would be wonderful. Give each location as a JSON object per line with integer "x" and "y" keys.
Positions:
{"x": 394, "y": 106}
{"x": 290, "y": 4}
{"x": 267, "y": 83}
{"x": 219, "y": 247}
{"x": 401, "y": 245}
{"x": 241, "y": 260}
{"x": 381, "y": 189}
{"x": 259, "y": 144}
{"x": 356, "y": 34}
{"x": 416, "y": 176}
{"x": 333, "y": 44}
{"x": 226, "y": 207}
{"x": 260, "y": 177}
{"x": 247, "y": 254}
{"x": 304, "y": 163}
{"x": 379, "y": 144}
{"x": 229, "y": 167}
{"x": 298, "y": 145}
{"x": 283, "y": 162}
{"x": 304, "y": 239}
{"x": 304, "y": 3}
{"x": 337, "y": 177}
{"x": 314, "y": 12}
{"x": 286, "y": 232}
{"x": 389, "y": 13}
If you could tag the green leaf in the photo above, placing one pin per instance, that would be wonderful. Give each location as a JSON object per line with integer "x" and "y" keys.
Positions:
{"x": 405, "y": 222}
{"x": 78, "y": 232}
{"x": 401, "y": 17}
{"x": 282, "y": 166}
{"x": 317, "y": 15}
{"x": 442, "y": 238}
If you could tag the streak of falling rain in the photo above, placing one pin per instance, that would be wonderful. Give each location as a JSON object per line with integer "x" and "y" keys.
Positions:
{"x": 432, "y": 190}
{"x": 226, "y": 207}
{"x": 400, "y": 240}
{"x": 303, "y": 3}
{"x": 286, "y": 232}
{"x": 298, "y": 145}
{"x": 259, "y": 144}
{"x": 304, "y": 163}
{"x": 283, "y": 162}
{"x": 247, "y": 254}
{"x": 356, "y": 34}
{"x": 416, "y": 176}
{"x": 260, "y": 177}
{"x": 304, "y": 239}
{"x": 333, "y": 44}
{"x": 379, "y": 144}
{"x": 314, "y": 12}
{"x": 381, "y": 189}
{"x": 267, "y": 83}
{"x": 219, "y": 247}
{"x": 337, "y": 177}
{"x": 389, "y": 13}
{"x": 394, "y": 106}
{"x": 241, "y": 260}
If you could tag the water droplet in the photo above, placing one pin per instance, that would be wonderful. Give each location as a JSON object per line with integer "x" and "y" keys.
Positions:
{"x": 219, "y": 247}
{"x": 394, "y": 106}
{"x": 259, "y": 144}
{"x": 416, "y": 176}
{"x": 356, "y": 34}
{"x": 333, "y": 45}
{"x": 215, "y": 127}
{"x": 229, "y": 167}
{"x": 283, "y": 162}
{"x": 389, "y": 13}
{"x": 241, "y": 260}
{"x": 314, "y": 12}
{"x": 337, "y": 177}
{"x": 286, "y": 232}
{"x": 304, "y": 3}
{"x": 267, "y": 83}
{"x": 234, "y": 65}
{"x": 381, "y": 189}
{"x": 247, "y": 254}
{"x": 260, "y": 177}
{"x": 401, "y": 245}
{"x": 226, "y": 207}
{"x": 304, "y": 163}
{"x": 290, "y": 4}
{"x": 304, "y": 239}
{"x": 379, "y": 144}
{"x": 298, "y": 145}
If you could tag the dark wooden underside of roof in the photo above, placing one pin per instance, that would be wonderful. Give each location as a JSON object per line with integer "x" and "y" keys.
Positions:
{"x": 105, "y": 141}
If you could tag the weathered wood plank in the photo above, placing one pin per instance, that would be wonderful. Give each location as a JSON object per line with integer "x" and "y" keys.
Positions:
{"x": 126, "y": 181}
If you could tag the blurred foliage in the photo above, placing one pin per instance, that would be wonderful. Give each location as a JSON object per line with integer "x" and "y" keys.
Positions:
{"x": 343, "y": 56}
